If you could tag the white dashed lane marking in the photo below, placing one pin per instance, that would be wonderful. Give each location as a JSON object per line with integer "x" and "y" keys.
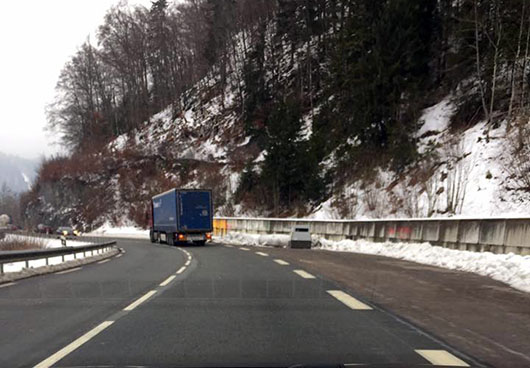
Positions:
{"x": 281, "y": 262}
{"x": 168, "y": 280}
{"x": 262, "y": 254}
{"x": 140, "y": 300}
{"x": 349, "y": 300}
{"x": 68, "y": 271}
{"x": 104, "y": 261}
{"x": 304, "y": 274}
{"x": 73, "y": 345}
{"x": 244, "y": 248}
{"x": 442, "y": 357}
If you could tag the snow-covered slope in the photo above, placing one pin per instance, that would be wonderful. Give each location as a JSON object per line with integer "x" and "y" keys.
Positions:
{"x": 16, "y": 172}
{"x": 464, "y": 173}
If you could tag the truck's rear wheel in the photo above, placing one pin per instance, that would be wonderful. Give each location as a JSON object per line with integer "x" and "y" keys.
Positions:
{"x": 152, "y": 236}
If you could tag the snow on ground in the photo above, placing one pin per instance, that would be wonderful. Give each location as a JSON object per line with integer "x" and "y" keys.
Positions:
{"x": 258, "y": 240}
{"x": 122, "y": 231}
{"x": 511, "y": 269}
{"x": 45, "y": 242}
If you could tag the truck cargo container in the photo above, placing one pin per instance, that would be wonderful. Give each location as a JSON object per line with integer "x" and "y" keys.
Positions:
{"x": 181, "y": 216}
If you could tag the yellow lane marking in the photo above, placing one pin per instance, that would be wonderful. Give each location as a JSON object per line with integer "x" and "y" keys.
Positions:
{"x": 262, "y": 254}
{"x": 349, "y": 300}
{"x": 139, "y": 300}
{"x": 104, "y": 261}
{"x": 73, "y": 345}
{"x": 305, "y": 275}
{"x": 68, "y": 271}
{"x": 168, "y": 280}
{"x": 281, "y": 262}
{"x": 442, "y": 357}
{"x": 244, "y": 248}
{"x": 181, "y": 269}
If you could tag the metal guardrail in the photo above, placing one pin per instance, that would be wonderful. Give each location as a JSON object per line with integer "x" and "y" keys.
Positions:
{"x": 497, "y": 235}
{"x": 33, "y": 254}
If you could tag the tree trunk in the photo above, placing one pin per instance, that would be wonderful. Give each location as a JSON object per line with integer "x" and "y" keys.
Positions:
{"x": 515, "y": 63}
{"x": 478, "y": 66}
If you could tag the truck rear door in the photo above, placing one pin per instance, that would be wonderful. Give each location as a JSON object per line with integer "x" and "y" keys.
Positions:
{"x": 195, "y": 211}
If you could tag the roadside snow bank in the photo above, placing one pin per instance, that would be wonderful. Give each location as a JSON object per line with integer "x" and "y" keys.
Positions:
{"x": 259, "y": 240}
{"x": 45, "y": 242}
{"x": 511, "y": 269}
{"x": 121, "y": 232}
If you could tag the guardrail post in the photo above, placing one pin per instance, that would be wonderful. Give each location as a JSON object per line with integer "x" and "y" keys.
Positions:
{"x": 27, "y": 263}
{"x": 1, "y": 268}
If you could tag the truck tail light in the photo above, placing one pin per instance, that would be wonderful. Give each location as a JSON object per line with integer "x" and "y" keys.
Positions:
{"x": 208, "y": 236}
{"x": 182, "y": 237}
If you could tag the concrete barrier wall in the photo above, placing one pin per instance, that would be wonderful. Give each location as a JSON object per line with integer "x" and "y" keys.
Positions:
{"x": 498, "y": 235}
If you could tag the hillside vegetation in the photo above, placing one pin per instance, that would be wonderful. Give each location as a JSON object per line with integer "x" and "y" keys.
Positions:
{"x": 294, "y": 108}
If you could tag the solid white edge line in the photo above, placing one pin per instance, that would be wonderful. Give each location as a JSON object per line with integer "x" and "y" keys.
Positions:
{"x": 7, "y": 284}
{"x": 441, "y": 357}
{"x": 348, "y": 300}
{"x": 139, "y": 301}
{"x": 104, "y": 261}
{"x": 119, "y": 255}
{"x": 168, "y": 280}
{"x": 262, "y": 254}
{"x": 48, "y": 362}
{"x": 304, "y": 274}
{"x": 281, "y": 262}
{"x": 68, "y": 271}
{"x": 181, "y": 269}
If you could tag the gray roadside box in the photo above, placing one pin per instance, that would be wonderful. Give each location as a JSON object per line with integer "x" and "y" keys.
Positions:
{"x": 300, "y": 237}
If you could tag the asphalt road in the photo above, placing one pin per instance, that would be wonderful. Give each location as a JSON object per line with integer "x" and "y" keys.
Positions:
{"x": 202, "y": 306}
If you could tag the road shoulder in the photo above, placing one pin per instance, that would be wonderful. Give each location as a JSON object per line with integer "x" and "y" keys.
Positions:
{"x": 482, "y": 317}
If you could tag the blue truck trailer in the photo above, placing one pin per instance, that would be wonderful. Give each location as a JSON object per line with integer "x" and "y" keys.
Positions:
{"x": 182, "y": 216}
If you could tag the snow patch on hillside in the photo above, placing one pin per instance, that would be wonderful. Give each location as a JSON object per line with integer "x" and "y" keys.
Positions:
{"x": 436, "y": 118}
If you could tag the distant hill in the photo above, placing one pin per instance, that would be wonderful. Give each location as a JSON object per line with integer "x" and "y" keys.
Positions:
{"x": 16, "y": 172}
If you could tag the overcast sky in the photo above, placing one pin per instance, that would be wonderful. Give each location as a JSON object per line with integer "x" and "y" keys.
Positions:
{"x": 36, "y": 38}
